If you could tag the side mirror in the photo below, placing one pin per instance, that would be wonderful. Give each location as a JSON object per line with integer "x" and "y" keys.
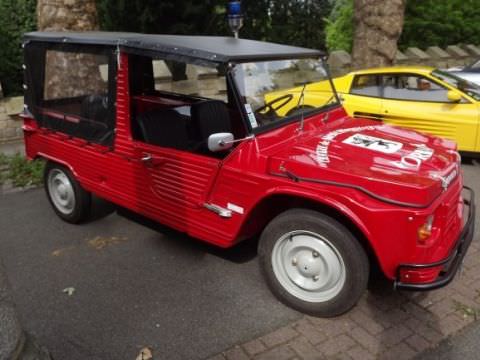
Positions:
{"x": 453, "y": 96}
{"x": 220, "y": 142}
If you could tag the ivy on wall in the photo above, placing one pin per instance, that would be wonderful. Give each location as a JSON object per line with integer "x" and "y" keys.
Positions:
{"x": 16, "y": 18}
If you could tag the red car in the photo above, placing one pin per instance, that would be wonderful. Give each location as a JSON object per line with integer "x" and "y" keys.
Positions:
{"x": 176, "y": 129}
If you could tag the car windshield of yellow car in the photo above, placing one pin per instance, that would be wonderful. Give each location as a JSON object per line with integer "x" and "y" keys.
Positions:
{"x": 469, "y": 88}
{"x": 272, "y": 90}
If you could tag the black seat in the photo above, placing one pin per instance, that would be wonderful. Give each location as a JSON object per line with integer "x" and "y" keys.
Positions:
{"x": 209, "y": 117}
{"x": 96, "y": 124}
{"x": 164, "y": 127}
{"x": 95, "y": 107}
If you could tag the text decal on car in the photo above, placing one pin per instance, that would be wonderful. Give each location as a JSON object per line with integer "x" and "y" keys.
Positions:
{"x": 322, "y": 157}
{"x": 414, "y": 159}
{"x": 374, "y": 143}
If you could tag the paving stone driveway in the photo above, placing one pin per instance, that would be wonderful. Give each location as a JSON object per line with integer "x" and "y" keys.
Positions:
{"x": 385, "y": 324}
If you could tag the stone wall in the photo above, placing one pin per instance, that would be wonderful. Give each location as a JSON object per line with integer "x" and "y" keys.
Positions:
{"x": 10, "y": 121}
{"x": 340, "y": 62}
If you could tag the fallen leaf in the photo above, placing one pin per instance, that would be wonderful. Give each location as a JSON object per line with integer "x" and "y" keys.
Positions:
{"x": 69, "y": 291}
{"x": 99, "y": 242}
{"x": 145, "y": 354}
{"x": 61, "y": 251}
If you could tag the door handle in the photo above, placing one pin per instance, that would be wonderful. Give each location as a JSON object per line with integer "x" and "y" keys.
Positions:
{"x": 146, "y": 158}
{"x": 151, "y": 160}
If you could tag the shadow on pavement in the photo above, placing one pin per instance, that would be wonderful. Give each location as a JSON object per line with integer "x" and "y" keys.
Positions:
{"x": 241, "y": 253}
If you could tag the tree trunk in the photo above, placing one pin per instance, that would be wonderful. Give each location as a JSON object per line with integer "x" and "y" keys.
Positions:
{"x": 378, "y": 26}
{"x": 67, "y": 15}
{"x": 84, "y": 77}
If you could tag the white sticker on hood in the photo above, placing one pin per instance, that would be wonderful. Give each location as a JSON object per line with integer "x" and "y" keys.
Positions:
{"x": 374, "y": 143}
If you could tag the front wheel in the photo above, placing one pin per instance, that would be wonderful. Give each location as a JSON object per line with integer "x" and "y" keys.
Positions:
{"x": 69, "y": 200}
{"x": 313, "y": 263}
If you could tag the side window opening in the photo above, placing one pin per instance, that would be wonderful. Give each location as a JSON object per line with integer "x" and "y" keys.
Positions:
{"x": 74, "y": 91}
{"x": 366, "y": 85}
{"x": 178, "y": 105}
{"x": 414, "y": 88}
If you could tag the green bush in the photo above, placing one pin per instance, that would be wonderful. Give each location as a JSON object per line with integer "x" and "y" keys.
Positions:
{"x": 3, "y": 168}
{"x": 20, "y": 171}
{"x": 16, "y": 18}
{"x": 440, "y": 23}
{"x": 295, "y": 22}
{"x": 339, "y": 28}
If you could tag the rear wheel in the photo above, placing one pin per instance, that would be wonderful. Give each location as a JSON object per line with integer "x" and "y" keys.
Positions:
{"x": 313, "y": 263}
{"x": 69, "y": 200}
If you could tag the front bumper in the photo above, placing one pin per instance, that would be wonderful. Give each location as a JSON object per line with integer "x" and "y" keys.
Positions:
{"x": 452, "y": 263}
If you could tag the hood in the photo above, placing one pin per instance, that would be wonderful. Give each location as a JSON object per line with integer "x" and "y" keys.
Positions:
{"x": 388, "y": 162}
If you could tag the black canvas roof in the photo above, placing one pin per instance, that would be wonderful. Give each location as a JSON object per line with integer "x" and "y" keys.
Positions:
{"x": 216, "y": 49}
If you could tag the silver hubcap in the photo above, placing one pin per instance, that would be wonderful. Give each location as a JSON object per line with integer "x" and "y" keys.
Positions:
{"x": 308, "y": 266}
{"x": 61, "y": 191}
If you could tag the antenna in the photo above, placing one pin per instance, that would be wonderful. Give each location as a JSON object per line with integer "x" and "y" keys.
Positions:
{"x": 301, "y": 100}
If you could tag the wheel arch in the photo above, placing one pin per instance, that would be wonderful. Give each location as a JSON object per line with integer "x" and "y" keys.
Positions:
{"x": 53, "y": 159}
{"x": 267, "y": 208}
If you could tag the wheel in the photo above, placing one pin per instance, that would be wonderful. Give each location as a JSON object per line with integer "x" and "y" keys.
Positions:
{"x": 69, "y": 200}
{"x": 312, "y": 263}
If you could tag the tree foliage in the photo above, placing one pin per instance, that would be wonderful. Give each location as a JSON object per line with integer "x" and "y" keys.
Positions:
{"x": 165, "y": 17}
{"x": 296, "y": 22}
{"x": 16, "y": 18}
{"x": 299, "y": 22}
{"x": 339, "y": 28}
{"x": 440, "y": 23}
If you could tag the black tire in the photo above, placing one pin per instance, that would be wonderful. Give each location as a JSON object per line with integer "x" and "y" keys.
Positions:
{"x": 334, "y": 243}
{"x": 79, "y": 210}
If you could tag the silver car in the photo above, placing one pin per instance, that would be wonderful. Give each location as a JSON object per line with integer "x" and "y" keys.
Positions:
{"x": 470, "y": 72}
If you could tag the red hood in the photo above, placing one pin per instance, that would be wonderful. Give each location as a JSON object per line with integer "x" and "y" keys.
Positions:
{"x": 390, "y": 162}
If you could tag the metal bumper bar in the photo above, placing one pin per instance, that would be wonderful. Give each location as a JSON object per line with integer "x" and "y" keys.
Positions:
{"x": 451, "y": 263}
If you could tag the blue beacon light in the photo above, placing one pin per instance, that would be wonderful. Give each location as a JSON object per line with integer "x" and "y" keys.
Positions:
{"x": 235, "y": 17}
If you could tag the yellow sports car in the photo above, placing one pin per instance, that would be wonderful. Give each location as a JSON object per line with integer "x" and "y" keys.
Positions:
{"x": 422, "y": 98}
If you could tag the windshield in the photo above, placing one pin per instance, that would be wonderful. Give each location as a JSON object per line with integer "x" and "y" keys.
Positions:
{"x": 274, "y": 90}
{"x": 466, "y": 86}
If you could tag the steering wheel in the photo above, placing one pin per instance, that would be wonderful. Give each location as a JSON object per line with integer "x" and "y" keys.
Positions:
{"x": 284, "y": 99}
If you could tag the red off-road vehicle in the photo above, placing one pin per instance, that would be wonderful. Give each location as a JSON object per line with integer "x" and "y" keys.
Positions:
{"x": 176, "y": 128}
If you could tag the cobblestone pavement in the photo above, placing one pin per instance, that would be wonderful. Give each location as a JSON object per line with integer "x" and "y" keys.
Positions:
{"x": 385, "y": 324}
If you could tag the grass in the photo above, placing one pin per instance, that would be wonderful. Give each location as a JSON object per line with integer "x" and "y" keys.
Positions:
{"x": 20, "y": 171}
{"x": 465, "y": 310}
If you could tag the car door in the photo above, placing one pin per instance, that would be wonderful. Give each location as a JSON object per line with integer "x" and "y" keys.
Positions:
{"x": 176, "y": 183}
{"x": 363, "y": 98}
{"x": 417, "y": 102}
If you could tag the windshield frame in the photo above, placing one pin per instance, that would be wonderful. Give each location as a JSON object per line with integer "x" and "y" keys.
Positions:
{"x": 287, "y": 120}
